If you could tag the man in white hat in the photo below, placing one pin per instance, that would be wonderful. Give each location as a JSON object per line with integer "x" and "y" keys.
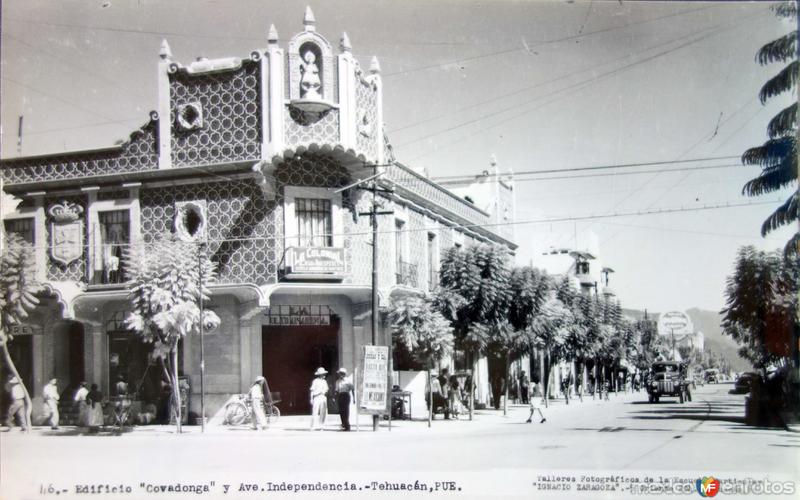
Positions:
{"x": 258, "y": 417}
{"x": 319, "y": 399}
{"x": 344, "y": 388}
{"x": 51, "y": 397}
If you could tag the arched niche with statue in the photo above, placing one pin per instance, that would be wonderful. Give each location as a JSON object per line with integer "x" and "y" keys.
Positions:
{"x": 311, "y": 70}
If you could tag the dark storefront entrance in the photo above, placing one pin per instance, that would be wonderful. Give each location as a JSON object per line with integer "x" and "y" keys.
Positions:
{"x": 291, "y": 354}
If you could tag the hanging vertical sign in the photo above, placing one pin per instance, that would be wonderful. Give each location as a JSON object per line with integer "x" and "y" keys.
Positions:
{"x": 375, "y": 383}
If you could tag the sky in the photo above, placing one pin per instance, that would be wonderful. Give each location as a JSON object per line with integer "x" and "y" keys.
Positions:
{"x": 539, "y": 85}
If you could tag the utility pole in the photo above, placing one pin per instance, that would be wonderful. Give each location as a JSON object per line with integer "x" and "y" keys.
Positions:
{"x": 373, "y": 214}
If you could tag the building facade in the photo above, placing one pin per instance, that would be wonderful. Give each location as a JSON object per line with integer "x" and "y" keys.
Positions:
{"x": 247, "y": 156}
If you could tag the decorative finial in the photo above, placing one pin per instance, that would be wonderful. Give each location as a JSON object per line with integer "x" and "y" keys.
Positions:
{"x": 272, "y": 37}
{"x": 344, "y": 43}
{"x": 165, "y": 52}
{"x": 374, "y": 66}
{"x": 308, "y": 20}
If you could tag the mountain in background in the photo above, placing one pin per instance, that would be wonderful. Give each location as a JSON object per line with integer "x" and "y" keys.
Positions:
{"x": 707, "y": 322}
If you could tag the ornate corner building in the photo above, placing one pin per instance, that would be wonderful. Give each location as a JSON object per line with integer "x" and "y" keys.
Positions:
{"x": 247, "y": 155}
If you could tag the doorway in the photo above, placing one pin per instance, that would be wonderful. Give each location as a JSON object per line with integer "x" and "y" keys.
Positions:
{"x": 291, "y": 355}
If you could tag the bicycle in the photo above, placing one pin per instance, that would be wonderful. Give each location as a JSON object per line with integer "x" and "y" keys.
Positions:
{"x": 239, "y": 412}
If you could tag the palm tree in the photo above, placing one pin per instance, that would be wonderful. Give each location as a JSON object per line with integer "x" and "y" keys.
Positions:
{"x": 777, "y": 157}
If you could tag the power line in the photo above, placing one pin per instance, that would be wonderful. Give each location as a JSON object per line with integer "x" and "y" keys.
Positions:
{"x": 577, "y": 87}
{"x": 570, "y": 218}
{"x": 689, "y": 231}
{"x": 536, "y": 44}
{"x": 580, "y": 169}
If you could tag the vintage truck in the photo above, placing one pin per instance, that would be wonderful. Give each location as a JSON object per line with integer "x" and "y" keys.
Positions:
{"x": 668, "y": 379}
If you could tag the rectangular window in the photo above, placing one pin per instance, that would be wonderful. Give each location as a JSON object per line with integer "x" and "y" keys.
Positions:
{"x": 22, "y": 227}
{"x": 398, "y": 241}
{"x": 314, "y": 222}
{"x": 433, "y": 262}
{"x": 114, "y": 237}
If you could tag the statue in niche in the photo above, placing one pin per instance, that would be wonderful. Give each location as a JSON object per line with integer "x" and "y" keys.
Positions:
{"x": 309, "y": 77}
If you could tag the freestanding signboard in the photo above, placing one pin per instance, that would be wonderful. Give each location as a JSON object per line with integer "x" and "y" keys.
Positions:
{"x": 375, "y": 379}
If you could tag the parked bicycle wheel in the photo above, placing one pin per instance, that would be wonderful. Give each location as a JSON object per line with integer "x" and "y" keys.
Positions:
{"x": 275, "y": 413}
{"x": 236, "y": 413}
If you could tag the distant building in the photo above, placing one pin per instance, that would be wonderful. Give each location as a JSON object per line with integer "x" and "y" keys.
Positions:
{"x": 581, "y": 263}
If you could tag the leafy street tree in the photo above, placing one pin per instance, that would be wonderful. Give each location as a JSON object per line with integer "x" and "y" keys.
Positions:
{"x": 420, "y": 332}
{"x": 169, "y": 281}
{"x": 475, "y": 295}
{"x": 549, "y": 332}
{"x": 17, "y": 299}
{"x": 777, "y": 157}
{"x": 761, "y": 304}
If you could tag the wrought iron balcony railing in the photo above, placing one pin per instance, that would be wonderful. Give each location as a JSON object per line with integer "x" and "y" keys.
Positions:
{"x": 433, "y": 280}
{"x": 407, "y": 274}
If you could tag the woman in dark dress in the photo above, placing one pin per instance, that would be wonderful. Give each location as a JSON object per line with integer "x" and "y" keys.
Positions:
{"x": 94, "y": 409}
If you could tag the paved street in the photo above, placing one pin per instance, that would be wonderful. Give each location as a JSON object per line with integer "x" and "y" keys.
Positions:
{"x": 493, "y": 454}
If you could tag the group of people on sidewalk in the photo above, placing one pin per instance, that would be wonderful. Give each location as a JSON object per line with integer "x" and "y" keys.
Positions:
{"x": 87, "y": 401}
{"x": 318, "y": 396}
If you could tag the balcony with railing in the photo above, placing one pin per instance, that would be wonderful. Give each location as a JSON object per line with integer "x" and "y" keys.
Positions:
{"x": 433, "y": 280}
{"x": 407, "y": 274}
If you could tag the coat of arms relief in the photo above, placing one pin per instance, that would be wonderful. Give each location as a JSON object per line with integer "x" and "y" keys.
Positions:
{"x": 66, "y": 232}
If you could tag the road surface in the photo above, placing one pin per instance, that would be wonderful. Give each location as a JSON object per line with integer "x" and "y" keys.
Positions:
{"x": 594, "y": 449}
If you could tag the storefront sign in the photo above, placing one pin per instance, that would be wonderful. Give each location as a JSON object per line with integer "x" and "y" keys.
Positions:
{"x": 375, "y": 385}
{"x": 310, "y": 315}
{"x": 26, "y": 330}
{"x": 315, "y": 260}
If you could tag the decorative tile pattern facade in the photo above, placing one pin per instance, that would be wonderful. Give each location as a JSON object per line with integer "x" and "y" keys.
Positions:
{"x": 231, "y": 117}
{"x": 301, "y": 132}
{"x": 76, "y": 270}
{"x": 241, "y": 226}
{"x": 137, "y": 155}
{"x": 366, "y": 118}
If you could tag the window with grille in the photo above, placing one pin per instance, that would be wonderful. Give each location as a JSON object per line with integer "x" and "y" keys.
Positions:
{"x": 22, "y": 227}
{"x": 114, "y": 237}
{"x": 433, "y": 262}
{"x": 314, "y": 222}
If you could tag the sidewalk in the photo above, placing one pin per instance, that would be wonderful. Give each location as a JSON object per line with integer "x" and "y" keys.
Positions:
{"x": 300, "y": 424}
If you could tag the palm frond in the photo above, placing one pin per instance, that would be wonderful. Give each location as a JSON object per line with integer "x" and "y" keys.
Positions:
{"x": 772, "y": 152}
{"x": 773, "y": 177}
{"x": 792, "y": 246}
{"x": 785, "y": 214}
{"x": 779, "y": 50}
{"x": 784, "y": 123}
{"x": 785, "y": 9}
{"x": 785, "y": 80}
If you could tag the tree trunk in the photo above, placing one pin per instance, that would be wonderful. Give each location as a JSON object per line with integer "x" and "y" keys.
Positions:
{"x": 176, "y": 389}
{"x": 430, "y": 399}
{"x": 472, "y": 384}
{"x": 546, "y": 380}
{"x": 28, "y": 403}
{"x": 505, "y": 398}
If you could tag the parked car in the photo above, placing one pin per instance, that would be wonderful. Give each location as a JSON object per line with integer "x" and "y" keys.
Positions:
{"x": 744, "y": 383}
{"x": 712, "y": 376}
{"x": 668, "y": 379}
